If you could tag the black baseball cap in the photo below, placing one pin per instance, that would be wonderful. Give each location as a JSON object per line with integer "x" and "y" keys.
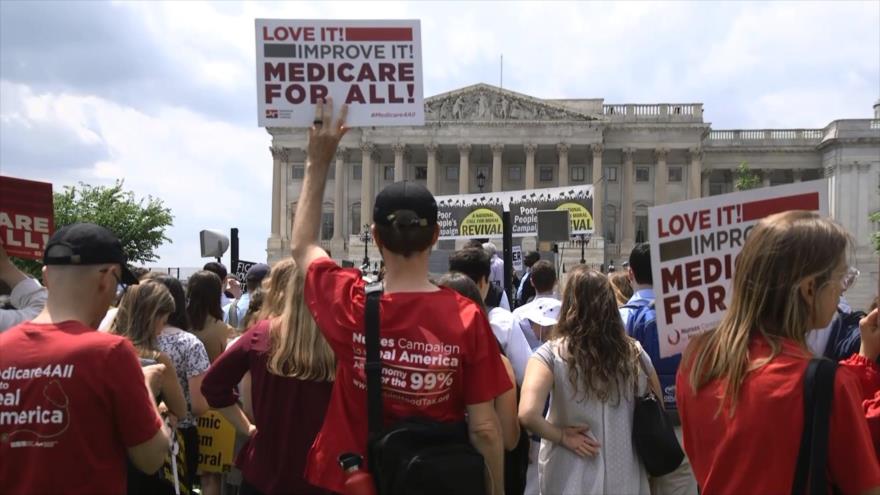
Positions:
{"x": 87, "y": 244}
{"x": 257, "y": 272}
{"x": 405, "y": 204}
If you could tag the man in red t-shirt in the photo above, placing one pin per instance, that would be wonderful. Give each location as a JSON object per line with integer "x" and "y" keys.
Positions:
{"x": 73, "y": 401}
{"x": 440, "y": 359}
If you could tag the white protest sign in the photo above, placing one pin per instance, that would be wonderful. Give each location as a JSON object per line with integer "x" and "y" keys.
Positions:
{"x": 516, "y": 252}
{"x": 374, "y": 66}
{"x": 693, "y": 248}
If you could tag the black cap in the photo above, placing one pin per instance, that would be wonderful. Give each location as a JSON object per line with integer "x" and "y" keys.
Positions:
{"x": 405, "y": 204}
{"x": 257, "y": 272}
{"x": 87, "y": 244}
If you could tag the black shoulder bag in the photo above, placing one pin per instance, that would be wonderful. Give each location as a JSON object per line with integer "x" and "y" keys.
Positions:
{"x": 415, "y": 456}
{"x": 653, "y": 434}
{"x": 810, "y": 476}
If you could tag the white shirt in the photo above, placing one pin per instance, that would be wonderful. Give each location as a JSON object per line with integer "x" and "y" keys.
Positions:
{"x": 28, "y": 297}
{"x": 516, "y": 347}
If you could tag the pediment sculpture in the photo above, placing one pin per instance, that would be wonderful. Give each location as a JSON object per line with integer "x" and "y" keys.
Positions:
{"x": 484, "y": 103}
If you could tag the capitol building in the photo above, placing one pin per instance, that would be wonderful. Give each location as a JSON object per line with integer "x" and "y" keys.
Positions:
{"x": 483, "y": 138}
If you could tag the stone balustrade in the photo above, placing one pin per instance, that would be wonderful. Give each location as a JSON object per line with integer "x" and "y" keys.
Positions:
{"x": 839, "y": 129}
{"x": 659, "y": 112}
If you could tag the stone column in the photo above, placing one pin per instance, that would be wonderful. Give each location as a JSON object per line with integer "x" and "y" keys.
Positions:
{"x": 626, "y": 200}
{"x": 399, "y": 150}
{"x": 598, "y": 191}
{"x": 530, "y": 165}
{"x": 431, "y": 150}
{"x": 367, "y": 178}
{"x": 496, "y": 167}
{"x": 695, "y": 172}
{"x": 464, "y": 172}
{"x": 796, "y": 175}
{"x": 562, "y": 149}
{"x": 277, "y": 170}
{"x": 765, "y": 175}
{"x": 285, "y": 202}
{"x": 661, "y": 176}
{"x": 339, "y": 202}
{"x": 705, "y": 176}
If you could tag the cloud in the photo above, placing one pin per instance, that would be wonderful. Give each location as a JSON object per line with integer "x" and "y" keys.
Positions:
{"x": 163, "y": 93}
{"x": 212, "y": 174}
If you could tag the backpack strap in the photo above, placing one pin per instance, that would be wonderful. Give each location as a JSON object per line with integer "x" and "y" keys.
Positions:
{"x": 373, "y": 364}
{"x": 810, "y": 473}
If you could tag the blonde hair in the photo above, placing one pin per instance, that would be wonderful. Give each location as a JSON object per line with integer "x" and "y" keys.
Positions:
{"x": 780, "y": 252}
{"x": 623, "y": 290}
{"x": 298, "y": 349}
{"x": 275, "y": 291}
{"x": 141, "y": 307}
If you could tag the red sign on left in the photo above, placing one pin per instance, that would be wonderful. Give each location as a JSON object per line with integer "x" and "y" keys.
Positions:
{"x": 26, "y": 217}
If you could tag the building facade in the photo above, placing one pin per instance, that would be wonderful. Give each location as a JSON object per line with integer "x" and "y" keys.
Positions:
{"x": 484, "y": 138}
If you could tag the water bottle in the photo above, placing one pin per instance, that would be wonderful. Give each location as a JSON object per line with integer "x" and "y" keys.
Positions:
{"x": 357, "y": 481}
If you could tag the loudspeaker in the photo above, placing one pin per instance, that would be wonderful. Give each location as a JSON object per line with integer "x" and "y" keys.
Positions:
{"x": 213, "y": 243}
{"x": 553, "y": 226}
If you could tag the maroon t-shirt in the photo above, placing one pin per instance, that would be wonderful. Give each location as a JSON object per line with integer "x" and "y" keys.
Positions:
{"x": 71, "y": 401}
{"x": 288, "y": 412}
{"x": 438, "y": 356}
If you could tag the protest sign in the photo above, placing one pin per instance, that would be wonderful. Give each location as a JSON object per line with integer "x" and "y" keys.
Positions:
{"x": 216, "y": 443}
{"x": 373, "y": 66}
{"x": 240, "y": 270}
{"x": 693, "y": 248}
{"x": 27, "y": 217}
{"x": 516, "y": 252}
{"x": 469, "y": 216}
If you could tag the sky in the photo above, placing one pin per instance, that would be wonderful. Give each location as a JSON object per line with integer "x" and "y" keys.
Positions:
{"x": 163, "y": 95}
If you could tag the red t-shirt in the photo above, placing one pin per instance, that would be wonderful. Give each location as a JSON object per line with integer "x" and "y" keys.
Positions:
{"x": 71, "y": 401}
{"x": 755, "y": 451}
{"x": 438, "y": 355}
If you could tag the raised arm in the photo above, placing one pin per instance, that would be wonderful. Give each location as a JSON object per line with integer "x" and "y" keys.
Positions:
{"x": 324, "y": 138}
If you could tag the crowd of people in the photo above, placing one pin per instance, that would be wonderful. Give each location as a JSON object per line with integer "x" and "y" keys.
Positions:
{"x": 541, "y": 385}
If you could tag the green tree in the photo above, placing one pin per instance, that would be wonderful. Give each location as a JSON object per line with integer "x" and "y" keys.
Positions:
{"x": 875, "y": 237}
{"x": 746, "y": 178}
{"x": 140, "y": 224}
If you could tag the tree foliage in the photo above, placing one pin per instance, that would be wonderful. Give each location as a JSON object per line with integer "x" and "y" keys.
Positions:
{"x": 140, "y": 224}
{"x": 875, "y": 236}
{"x": 746, "y": 178}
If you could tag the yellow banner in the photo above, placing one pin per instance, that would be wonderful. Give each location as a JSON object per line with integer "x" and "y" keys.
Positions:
{"x": 216, "y": 443}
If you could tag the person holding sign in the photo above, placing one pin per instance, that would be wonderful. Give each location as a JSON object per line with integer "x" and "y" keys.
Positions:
{"x": 740, "y": 388}
{"x": 440, "y": 360}
{"x": 28, "y": 296}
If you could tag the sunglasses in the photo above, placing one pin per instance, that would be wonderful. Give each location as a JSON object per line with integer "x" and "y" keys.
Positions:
{"x": 120, "y": 287}
{"x": 849, "y": 278}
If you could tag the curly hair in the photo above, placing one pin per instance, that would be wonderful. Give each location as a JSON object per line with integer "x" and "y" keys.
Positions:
{"x": 602, "y": 361}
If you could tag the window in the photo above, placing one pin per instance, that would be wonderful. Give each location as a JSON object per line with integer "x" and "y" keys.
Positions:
{"x": 332, "y": 172}
{"x": 327, "y": 225}
{"x": 610, "y": 224}
{"x": 298, "y": 172}
{"x": 356, "y": 172}
{"x": 641, "y": 228}
{"x": 514, "y": 174}
{"x": 388, "y": 172}
{"x": 546, "y": 174}
{"x": 578, "y": 174}
{"x": 451, "y": 173}
{"x": 421, "y": 173}
{"x": 355, "y": 219}
{"x": 643, "y": 174}
{"x": 611, "y": 174}
{"x": 674, "y": 174}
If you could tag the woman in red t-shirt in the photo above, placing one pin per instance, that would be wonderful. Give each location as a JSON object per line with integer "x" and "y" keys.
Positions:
{"x": 740, "y": 387}
{"x": 292, "y": 369}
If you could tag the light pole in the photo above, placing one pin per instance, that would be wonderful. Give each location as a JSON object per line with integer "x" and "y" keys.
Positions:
{"x": 481, "y": 180}
{"x": 584, "y": 239}
{"x": 366, "y": 238}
